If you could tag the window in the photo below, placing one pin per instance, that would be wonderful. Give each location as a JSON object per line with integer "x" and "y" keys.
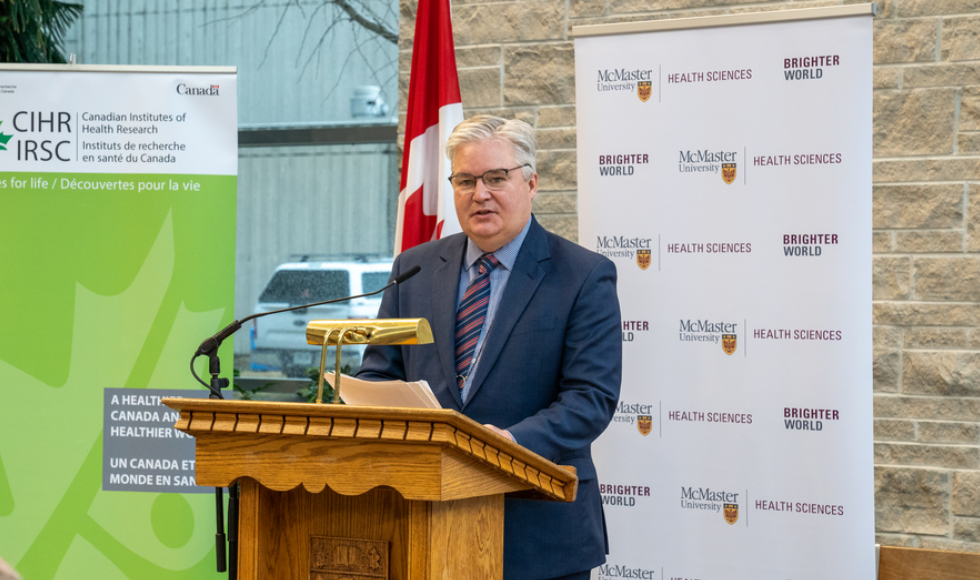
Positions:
{"x": 295, "y": 287}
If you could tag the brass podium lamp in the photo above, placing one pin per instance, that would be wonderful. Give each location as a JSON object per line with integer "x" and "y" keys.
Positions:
{"x": 385, "y": 331}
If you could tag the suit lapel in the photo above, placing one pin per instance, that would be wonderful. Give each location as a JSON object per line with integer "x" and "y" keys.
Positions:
{"x": 445, "y": 287}
{"x": 521, "y": 286}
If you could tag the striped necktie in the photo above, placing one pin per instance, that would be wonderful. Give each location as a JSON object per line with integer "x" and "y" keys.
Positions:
{"x": 470, "y": 317}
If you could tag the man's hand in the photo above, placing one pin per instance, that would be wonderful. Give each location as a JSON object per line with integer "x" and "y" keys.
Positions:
{"x": 501, "y": 432}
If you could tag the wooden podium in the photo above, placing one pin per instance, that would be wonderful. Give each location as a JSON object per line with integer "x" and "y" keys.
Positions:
{"x": 337, "y": 492}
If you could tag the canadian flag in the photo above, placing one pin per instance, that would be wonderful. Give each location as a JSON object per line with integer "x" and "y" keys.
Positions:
{"x": 425, "y": 201}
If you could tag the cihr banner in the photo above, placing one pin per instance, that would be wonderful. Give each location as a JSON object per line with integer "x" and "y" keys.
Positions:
{"x": 117, "y": 247}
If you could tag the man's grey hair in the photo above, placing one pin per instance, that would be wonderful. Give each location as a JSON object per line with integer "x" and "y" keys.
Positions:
{"x": 485, "y": 127}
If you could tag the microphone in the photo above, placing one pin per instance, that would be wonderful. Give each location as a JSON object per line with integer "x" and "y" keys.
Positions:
{"x": 405, "y": 276}
{"x": 210, "y": 345}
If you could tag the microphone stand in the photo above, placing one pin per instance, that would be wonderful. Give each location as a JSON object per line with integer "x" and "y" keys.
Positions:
{"x": 215, "y": 386}
{"x": 209, "y": 348}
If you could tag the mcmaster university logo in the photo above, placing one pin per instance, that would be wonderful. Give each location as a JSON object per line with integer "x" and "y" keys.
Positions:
{"x": 704, "y": 330}
{"x": 628, "y": 80}
{"x": 639, "y": 413}
{"x": 707, "y": 499}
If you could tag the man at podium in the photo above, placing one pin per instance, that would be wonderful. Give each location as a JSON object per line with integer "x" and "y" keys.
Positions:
{"x": 527, "y": 339}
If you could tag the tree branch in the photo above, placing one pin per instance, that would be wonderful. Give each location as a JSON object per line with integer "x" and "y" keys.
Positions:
{"x": 372, "y": 25}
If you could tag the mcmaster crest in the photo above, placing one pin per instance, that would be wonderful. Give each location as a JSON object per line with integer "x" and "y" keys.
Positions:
{"x": 643, "y": 259}
{"x": 644, "y": 423}
{"x": 643, "y": 90}
{"x": 728, "y": 172}
{"x": 729, "y": 342}
{"x": 731, "y": 513}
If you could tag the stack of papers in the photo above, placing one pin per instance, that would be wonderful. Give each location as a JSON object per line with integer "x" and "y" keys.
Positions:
{"x": 385, "y": 393}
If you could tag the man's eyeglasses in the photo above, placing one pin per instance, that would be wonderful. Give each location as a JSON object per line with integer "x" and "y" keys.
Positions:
{"x": 494, "y": 180}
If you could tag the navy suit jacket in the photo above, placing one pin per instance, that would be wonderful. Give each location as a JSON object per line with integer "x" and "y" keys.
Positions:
{"x": 550, "y": 373}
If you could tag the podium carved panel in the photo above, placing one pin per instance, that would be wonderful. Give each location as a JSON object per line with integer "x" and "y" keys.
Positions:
{"x": 348, "y": 559}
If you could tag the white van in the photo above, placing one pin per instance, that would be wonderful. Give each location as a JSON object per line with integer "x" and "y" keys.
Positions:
{"x": 279, "y": 341}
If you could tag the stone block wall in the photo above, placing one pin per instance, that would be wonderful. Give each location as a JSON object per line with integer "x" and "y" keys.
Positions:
{"x": 516, "y": 59}
{"x": 926, "y": 273}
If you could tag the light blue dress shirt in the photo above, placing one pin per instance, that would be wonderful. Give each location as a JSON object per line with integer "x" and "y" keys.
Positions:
{"x": 499, "y": 276}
